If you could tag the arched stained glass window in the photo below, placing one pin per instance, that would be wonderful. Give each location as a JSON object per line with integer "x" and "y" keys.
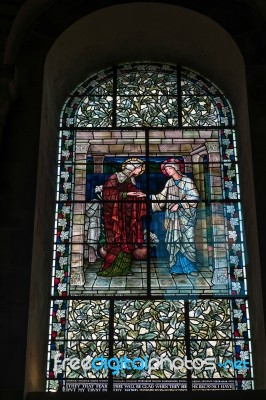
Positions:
{"x": 149, "y": 248}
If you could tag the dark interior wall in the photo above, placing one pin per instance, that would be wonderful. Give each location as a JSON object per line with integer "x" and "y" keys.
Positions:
{"x": 23, "y": 82}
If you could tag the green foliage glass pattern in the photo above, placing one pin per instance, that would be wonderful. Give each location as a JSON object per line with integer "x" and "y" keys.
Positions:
{"x": 148, "y": 320}
{"x": 147, "y": 111}
{"x": 114, "y": 109}
{"x": 145, "y": 94}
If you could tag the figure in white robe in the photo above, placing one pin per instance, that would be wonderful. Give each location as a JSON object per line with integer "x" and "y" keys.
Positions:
{"x": 179, "y": 199}
{"x": 93, "y": 227}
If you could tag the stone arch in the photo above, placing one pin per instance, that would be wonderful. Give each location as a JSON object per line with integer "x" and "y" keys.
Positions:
{"x": 164, "y": 37}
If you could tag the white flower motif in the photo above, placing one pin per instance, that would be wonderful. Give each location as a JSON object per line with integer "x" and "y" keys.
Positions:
{"x": 232, "y": 195}
{"x": 57, "y": 327}
{"x": 67, "y": 186}
{"x": 230, "y": 209}
{"x": 70, "y": 121}
{"x": 60, "y": 274}
{"x": 236, "y": 246}
{"x": 228, "y": 164}
{"x": 59, "y": 302}
{"x": 226, "y": 142}
{"x": 232, "y": 235}
{"x": 238, "y": 273}
{"x": 229, "y": 152}
{"x": 61, "y": 248}
{"x": 63, "y": 261}
{"x": 228, "y": 184}
{"x": 66, "y": 133}
{"x": 60, "y": 314}
{"x": 244, "y": 355}
{"x": 239, "y": 301}
{"x": 212, "y": 90}
{"x": 57, "y": 370}
{"x": 61, "y": 287}
{"x": 234, "y": 221}
{"x": 200, "y": 83}
{"x": 64, "y": 235}
{"x": 53, "y": 385}
{"x": 193, "y": 76}
{"x": 242, "y": 372}
{"x": 236, "y": 286}
{"x": 240, "y": 343}
{"x": 66, "y": 210}
{"x": 231, "y": 173}
{"x": 234, "y": 260}
{"x": 246, "y": 385}
{"x": 62, "y": 222}
{"x": 224, "y": 120}
{"x": 54, "y": 353}
{"x": 65, "y": 175}
{"x": 242, "y": 326}
{"x": 68, "y": 143}
{"x": 58, "y": 344}
{"x": 65, "y": 153}
{"x": 225, "y": 110}
{"x": 238, "y": 313}
{"x": 63, "y": 196}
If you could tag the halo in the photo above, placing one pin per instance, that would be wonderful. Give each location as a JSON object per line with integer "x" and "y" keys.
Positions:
{"x": 134, "y": 160}
{"x": 173, "y": 161}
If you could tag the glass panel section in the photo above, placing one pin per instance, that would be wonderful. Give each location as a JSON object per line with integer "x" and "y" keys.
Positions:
{"x": 149, "y": 320}
{"x": 148, "y": 345}
{"x": 140, "y": 79}
{"x": 203, "y": 102}
{"x": 95, "y": 111}
{"x": 213, "y": 236}
{"x": 147, "y": 111}
{"x": 199, "y": 111}
{"x": 101, "y": 84}
{"x": 146, "y": 215}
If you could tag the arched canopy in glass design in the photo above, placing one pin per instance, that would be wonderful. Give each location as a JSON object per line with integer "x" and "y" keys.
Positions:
{"x": 149, "y": 249}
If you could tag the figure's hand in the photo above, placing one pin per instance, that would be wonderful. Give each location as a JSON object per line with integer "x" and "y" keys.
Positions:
{"x": 174, "y": 208}
{"x": 137, "y": 194}
{"x": 140, "y": 194}
{"x": 132, "y": 193}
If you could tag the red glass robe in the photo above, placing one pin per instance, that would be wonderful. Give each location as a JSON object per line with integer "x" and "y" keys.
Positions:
{"x": 122, "y": 218}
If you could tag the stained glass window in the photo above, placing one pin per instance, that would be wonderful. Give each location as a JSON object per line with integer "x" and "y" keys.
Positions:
{"x": 149, "y": 286}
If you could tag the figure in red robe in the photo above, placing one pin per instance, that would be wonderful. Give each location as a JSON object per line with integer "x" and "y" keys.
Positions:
{"x": 123, "y": 207}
